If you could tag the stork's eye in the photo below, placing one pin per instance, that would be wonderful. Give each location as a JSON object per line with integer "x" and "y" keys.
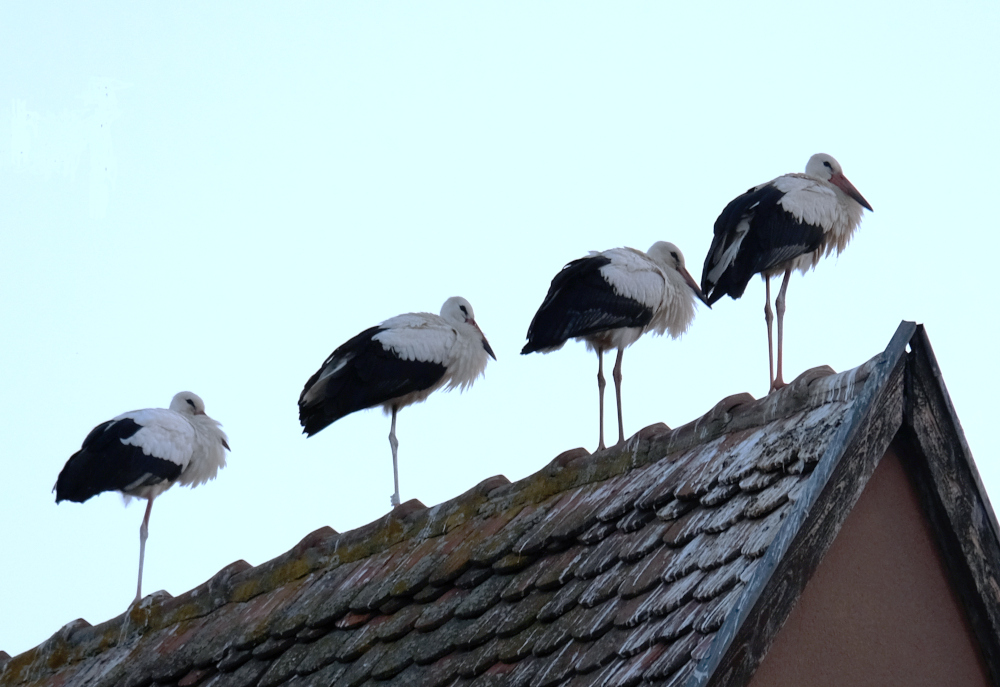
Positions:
{"x": 190, "y": 402}
{"x": 673, "y": 254}
{"x": 463, "y": 309}
{"x": 826, "y": 163}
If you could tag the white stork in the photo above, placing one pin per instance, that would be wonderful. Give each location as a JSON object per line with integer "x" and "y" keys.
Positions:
{"x": 609, "y": 300}
{"x": 786, "y": 224}
{"x": 401, "y": 361}
{"x": 143, "y": 453}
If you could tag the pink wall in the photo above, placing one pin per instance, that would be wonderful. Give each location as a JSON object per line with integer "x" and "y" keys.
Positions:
{"x": 879, "y": 609}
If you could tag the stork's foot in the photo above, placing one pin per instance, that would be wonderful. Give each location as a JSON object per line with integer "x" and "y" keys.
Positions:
{"x": 394, "y": 500}
{"x": 778, "y": 384}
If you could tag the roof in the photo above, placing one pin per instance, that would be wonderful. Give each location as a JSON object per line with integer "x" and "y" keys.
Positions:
{"x": 672, "y": 560}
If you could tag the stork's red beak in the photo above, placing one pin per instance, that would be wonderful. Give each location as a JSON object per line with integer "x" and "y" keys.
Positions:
{"x": 694, "y": 286}
{"x": 841, "y": 182}
{"x": 486, "y": 344}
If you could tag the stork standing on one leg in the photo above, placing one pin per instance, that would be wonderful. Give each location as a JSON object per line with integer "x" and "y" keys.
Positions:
{"x": 399, "y": 362}
{"x": 786, "y": 224}
{"x": 609, "y": 300}
{"x": 142, "y": 454}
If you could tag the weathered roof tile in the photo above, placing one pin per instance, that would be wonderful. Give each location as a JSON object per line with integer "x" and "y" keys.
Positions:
{"x": 673, "y": 658}
{"x": 597, "y": 559}
{"x": 440, "y": 611}
{"x": 647, "y": 573}
{"x": 560, "y": 568}
{"x": 587, "y": 624}
{"x": 284, "y": 668}
{"x": 562, "y": 601}
{"x": 666, "y": 598}
{"x": 485, "y": 595}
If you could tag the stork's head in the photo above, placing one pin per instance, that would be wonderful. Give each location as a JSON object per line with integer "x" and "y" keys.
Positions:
{"x": 825, "y": 167}
{"x": 670, "y": 257}
{"x": 458, "y": 311}
{"x": 187, "y": 403}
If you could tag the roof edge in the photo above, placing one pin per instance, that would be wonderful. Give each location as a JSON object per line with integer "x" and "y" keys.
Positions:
{"x": 739, "y": 646}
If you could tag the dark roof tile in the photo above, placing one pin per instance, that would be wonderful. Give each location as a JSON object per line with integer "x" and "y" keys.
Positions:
{"x": 597, "y": 532}
{"x": 716, "y": 611}
{"x": 554, "y": 636}
{"x": 521, "y": 645}
{"x": 647, "y": 573}
{"x": 397, "y": 658}
{"x": 481, "y": 597}
{"x": 285, "y": 667}
{"x": 686, "y": 527}
{"x": 773, "y": 496}
{"x": 246, "y": 675}
{"x": 430, "y": 593}
{"x": 755, "y": 481}
{"x": 601, "y": 651}
{"x": 442, "y": 641}
{"x": 321, "y": 652}
{"x": 352, "y": 620}
{"x": 521, "y": 584}
{"x": 587, "y": 624}
{"x": 473, "y": 577}
{"x": 686, "y": 559}
{"x": 597, "y": 559}
{"x": 271, "y": 648}
{"x": 557, "y": 570}
{"x": 630, "y": 672}
{"x": 666, "y": 598}
{"x": 674, "y": 509}
{"x": 440, "y": 611}
{"x": 481, "y": 658}
{"x": 720, "y": 580}
{"x": 715, "y": 551}
{"x": 635, "y": 520}
{"x": 514, "y": 617}
{"x": 359, "y": 670}
{"x": 399, "y": 623}
{"x": 512, "y": 562}
{"x": 719, "y": 494}
{"x": 761, "y": 532}
{"x": 359, "y": 642}
{"x": 233, "y": 659}
{"x": 604, "y": 586}
{"x": 562, "y": 601}
{"x": 560, "y": 666}
{"x": 642, "y": 542}
{"x": 673, "y": 658}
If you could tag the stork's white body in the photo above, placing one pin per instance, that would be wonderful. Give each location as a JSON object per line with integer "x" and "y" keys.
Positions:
{"x": 400, "y": 362}
{"x": 786, "y": 224}
{"x": 608, "y": 300}
{"x": 143, "y": 453}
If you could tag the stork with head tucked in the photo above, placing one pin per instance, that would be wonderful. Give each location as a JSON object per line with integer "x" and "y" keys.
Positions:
{"x": 143, "y": 453}
{"x": 401, "y": 361}
{"x": 609, "y": 300}
{"x": 785, "y": 224}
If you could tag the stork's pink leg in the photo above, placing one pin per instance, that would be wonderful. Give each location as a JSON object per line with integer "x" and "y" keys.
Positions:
{"x": 143, "y": 535}
{"x": 617, "y": 376}
{"x": 779, "y": 305}
{"x": 600, "y": 395}
{"x": 769, "y": 318}
{"x": 394, "y": 499}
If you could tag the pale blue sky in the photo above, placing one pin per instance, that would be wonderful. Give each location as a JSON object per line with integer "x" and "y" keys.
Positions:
{"x": 212, "y": 199}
